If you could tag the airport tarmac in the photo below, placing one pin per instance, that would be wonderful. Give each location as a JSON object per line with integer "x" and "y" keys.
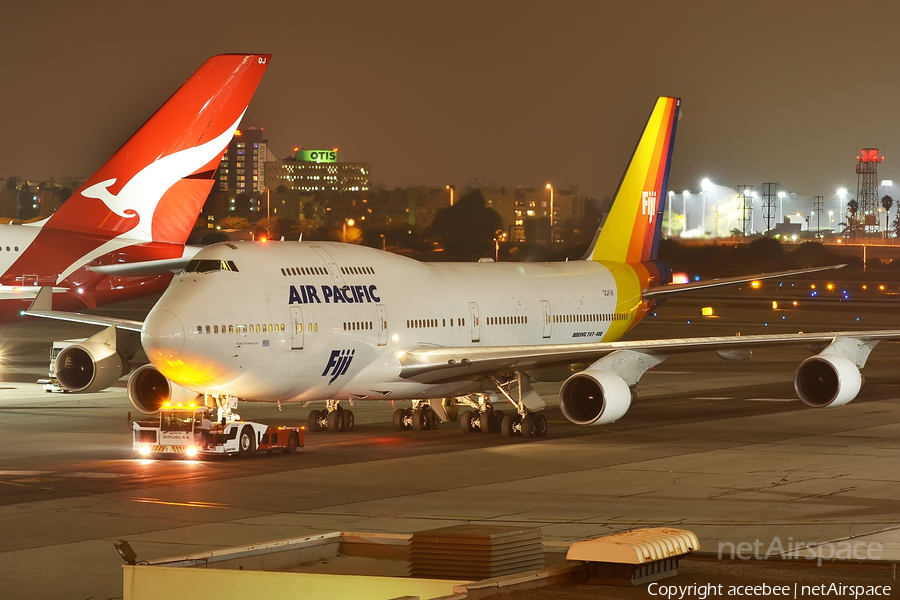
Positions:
{"x": 723, "y": 449}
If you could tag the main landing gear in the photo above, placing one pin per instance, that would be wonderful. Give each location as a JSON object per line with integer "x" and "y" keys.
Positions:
{"x": 487, "y": 419}
{"x": 334, "y": 418}
{"x": 532, "y": 425}
{"x": 527, "y": 421}
{"x": 421, "y": 417}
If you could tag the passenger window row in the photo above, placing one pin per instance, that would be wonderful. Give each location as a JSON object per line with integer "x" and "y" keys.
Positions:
{"x": 286, "y": 271}
{"x": 358, "y": 326}
{"x": 241, "y": 329}
{"x": 514, "y": 320}
{"x": 591, "y": 318}
{"x": 420, "y": 323}
{"x": 357, "y": 270}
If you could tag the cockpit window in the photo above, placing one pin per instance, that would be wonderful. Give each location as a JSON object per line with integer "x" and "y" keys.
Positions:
{"x": 209, "y": 265}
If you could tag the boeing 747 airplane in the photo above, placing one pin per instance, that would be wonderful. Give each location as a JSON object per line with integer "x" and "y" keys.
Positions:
{"x": 318, "y": 321}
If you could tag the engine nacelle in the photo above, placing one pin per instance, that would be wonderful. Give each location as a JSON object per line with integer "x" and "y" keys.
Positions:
{"x": 149, "y": 390}
{"x": 89, "y": 367}
{"x": 827, "y": 380}
{"x": 594, "y": 397}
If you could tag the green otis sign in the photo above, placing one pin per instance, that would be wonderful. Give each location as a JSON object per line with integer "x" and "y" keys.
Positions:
{"x": 317, "y": 156}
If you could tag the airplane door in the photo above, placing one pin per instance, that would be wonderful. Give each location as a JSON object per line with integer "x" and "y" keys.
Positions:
{"x": 296, "y": 328}
{"x": 545, "y": 306}
{"x": 333, "y": 268}
{"x": 382, "y": 325}
{"x": 476, "y": 326}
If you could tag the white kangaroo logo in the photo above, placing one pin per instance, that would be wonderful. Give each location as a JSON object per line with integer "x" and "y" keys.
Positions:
{"x": 139, "y": 197}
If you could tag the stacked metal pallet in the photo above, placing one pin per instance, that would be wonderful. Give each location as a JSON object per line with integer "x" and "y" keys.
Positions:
{"x": 474, "y": 552}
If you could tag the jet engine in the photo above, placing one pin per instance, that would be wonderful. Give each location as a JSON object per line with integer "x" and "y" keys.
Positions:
{"x": 827, "y": 380}
{"x": 89, "y": 367}
{"x": 148, "y": 391}
{"x": 594, "y": 397}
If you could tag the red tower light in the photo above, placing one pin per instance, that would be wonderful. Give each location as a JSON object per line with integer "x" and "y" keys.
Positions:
{"x": 870, "y": 155}
{"x": 867, "y": 189}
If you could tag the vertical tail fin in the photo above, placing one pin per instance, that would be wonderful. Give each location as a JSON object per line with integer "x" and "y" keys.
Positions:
{"x": 154, "y": 186}
{"x": 630, "y": 233}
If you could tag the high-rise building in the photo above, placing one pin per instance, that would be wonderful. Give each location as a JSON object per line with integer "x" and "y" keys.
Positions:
{"x": 243, "y": 166}
{"x": 317, "y": 171}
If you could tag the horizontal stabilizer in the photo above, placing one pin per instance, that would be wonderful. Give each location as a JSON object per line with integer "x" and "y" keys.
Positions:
{"x": 147, "y": 267}
{"x": 25, "y": 292}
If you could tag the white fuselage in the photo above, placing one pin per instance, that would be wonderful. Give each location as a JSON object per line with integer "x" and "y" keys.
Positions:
{"x": 320, "y": 320}
{"x": 15, "y": 240}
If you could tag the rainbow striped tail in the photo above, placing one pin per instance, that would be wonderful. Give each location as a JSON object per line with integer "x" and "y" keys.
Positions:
{"x": 630, "y": 233}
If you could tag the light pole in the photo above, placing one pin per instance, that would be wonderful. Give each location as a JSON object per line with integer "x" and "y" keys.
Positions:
{"x": 684, "y": 196}
{"x": 347, "y": 222}
{"x": 382, "y": 242}
{"x": 268, "y": 222}
{"x": 550, "y": 187}
{"x": 450, "y": 187}
{"x": 716, "y": 208}
{"x": 705, "y": 186}
{"x": 671, "y": 195}
{"x": 842, "y": 193}
{"x": 754, "y": 196}
{"x": 496, "y": 249}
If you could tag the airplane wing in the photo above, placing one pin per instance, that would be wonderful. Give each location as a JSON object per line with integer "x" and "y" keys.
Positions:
{"x": 41, "y": 307}
{"x": 430, "y": 364}
{"x": 676, "y": 288}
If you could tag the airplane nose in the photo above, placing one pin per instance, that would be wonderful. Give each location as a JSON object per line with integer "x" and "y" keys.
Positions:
{"x": 162, "y": 335}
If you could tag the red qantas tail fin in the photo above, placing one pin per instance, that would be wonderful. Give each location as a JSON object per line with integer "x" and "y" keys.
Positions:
{"x": 154, "y": 186}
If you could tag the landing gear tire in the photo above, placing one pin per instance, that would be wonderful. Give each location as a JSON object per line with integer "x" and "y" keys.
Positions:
{"x": 293, "y": 443}
{"x": 487, "y": 422}
{"x": 336, "y": 421}
{"x": 467, "y": 421}
{"x": 420, "y": 420}
{"x": 541, "y": 424}
{"x": 246, "y": 441}
{"x": 313, "y": 422}
{"x": 529, "y": 426}
{"x": 349, "y": 420}
{"x": 498, "y": 420}
{"x": 434, "y": 421}
{"x": 508, "y": 425}
{"x": 398, "y": 419}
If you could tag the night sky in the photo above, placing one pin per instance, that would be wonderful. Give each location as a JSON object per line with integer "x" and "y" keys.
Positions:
{"x": 518, "y": 93}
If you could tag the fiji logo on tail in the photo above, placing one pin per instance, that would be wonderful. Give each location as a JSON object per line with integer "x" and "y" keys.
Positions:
{"x": 338, "y": 363}
{"x": 648, "y": 205}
